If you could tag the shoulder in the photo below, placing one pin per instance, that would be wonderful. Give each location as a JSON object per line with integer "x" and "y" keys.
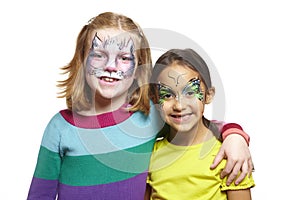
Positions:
{"x": 151, "y": 122}
{"x": 160, "y": 143}
{"x": 57, "y": 122}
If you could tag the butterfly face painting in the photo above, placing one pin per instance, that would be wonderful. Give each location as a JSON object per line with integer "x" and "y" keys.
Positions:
{"x": 190, "y": 91}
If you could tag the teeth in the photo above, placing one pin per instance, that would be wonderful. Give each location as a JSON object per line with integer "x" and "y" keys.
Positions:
{"x": 108, "y": 79}
{"x": 114, "y": 75}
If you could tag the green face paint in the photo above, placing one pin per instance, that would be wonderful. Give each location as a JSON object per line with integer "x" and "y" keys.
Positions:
{"x": 191, "y": 90}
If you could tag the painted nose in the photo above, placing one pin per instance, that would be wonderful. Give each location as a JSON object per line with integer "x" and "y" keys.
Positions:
{"x": 111, "y": 66}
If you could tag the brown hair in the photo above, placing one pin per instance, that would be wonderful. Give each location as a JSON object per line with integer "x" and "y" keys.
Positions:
{"x": 75, "y": 88}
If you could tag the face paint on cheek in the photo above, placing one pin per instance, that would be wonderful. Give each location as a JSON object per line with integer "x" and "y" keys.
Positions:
{"x": 93, "y": 66}
{"x": 128, "y": 60}
{"x": 99, "y": 72}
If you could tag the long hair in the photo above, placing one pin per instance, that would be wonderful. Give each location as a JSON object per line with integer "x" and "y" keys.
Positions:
{"x": 75, "y": 88}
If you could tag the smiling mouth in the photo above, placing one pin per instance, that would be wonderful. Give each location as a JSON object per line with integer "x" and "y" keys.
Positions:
{"x": 181, "y": 116}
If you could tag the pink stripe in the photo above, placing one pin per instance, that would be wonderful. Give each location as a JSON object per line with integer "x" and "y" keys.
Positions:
{"x": 96, "y": 121}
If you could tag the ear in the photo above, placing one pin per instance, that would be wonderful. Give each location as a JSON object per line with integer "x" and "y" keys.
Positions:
{"x": 209, "y": 96}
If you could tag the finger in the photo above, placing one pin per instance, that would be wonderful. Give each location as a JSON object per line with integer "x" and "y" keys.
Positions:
{"x": 219, "y": 157}
{"x": 234, "y": 173}
{"x": 243, "y": 174}
{"x": 251, "y": 167}
{"x": 228, "y": 168}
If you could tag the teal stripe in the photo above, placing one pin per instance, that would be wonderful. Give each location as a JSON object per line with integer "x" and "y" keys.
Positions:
{"x": 48, "y": 165}
{"x": 98, "y": 141}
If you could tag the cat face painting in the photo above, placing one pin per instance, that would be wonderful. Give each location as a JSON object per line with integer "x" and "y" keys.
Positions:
{"x": 110, "y": 65}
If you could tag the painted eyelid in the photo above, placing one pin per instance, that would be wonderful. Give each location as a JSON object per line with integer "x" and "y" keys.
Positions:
{"x": 98, "y": 54}
{"x": 190, "y": 88}
{"x": 164, "y": 91}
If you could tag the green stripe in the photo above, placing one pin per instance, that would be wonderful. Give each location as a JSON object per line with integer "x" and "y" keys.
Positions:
{"x": 106, "y": 168}
{"x": 48, "y": 164}
{"x": 94, "y": 169}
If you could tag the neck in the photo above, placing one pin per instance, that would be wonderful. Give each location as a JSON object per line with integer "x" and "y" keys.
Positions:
{"x": 190, "y": 138}
{"x": 102, "y": 105}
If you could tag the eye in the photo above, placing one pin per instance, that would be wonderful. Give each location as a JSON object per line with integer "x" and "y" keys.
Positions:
{"x": 167, "y": 96}
{"x": 190, "y": 93}
{"x": 192, "y": 89}
{"x": 126, "y": 58}
{"x": 165, "y": 93}
{"x": 164, "y": 96}
{"x": 98, "y": 55}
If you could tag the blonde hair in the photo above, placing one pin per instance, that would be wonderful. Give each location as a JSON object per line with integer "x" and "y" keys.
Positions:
{"x": 75, "y": 88}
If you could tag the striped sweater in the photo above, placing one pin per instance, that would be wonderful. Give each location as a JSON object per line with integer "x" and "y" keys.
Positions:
{"x": 95, "y": 157}
{"x": 102, "y": 157}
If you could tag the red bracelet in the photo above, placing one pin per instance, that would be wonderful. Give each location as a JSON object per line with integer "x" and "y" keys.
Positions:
{"x": 236, "y": 131}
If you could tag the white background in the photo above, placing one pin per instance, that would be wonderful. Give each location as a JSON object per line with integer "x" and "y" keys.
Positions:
{"x": 253, "y": 44}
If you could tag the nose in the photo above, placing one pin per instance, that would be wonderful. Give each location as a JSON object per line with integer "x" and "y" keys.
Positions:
{"x": 111, "y": 66}
{"x": 178, "y": 104}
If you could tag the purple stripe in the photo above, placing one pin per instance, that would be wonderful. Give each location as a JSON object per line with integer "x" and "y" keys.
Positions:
{"x": 130, "y": 189}
{"x": 42, "y": 189}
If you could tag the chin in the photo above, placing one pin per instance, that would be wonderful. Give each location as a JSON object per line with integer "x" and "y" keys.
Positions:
{"x": 182, "y": 129}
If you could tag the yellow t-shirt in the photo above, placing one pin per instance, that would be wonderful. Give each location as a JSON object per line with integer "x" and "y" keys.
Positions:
{"x": 183, "y": 172}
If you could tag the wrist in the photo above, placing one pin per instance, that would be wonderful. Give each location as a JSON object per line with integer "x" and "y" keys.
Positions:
{"x": 236, "y": 131}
